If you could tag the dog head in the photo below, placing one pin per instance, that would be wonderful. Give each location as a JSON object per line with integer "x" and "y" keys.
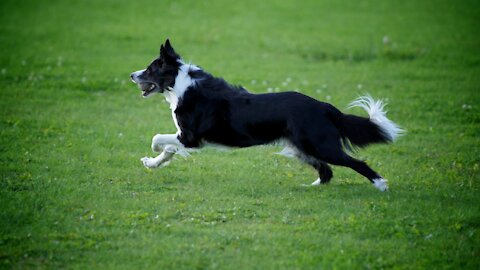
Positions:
{"x": 160, "y": 75}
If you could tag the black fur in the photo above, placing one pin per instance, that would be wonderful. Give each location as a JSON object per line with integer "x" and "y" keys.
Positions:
{"x": 211, "y": 110}
{"x": 217, "y": 112}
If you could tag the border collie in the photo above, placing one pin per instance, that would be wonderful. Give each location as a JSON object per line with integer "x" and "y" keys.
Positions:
{"x": 208, "y": 110}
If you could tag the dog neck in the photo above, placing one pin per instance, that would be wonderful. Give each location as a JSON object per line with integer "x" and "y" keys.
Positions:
{"x": 183, "y": 82}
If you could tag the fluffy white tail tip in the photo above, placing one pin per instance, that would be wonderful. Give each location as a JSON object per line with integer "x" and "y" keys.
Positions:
{"x": 381, "y": 184}
{"x": 377, "y": 114}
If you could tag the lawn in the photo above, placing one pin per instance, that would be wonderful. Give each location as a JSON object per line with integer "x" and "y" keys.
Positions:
{"x": 74, "y": 194}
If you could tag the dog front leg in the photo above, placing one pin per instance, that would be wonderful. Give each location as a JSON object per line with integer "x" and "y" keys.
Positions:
{"x": 159, "y": 141}
{"x": 168, "y": 145}
{"x": 161, "y": 160}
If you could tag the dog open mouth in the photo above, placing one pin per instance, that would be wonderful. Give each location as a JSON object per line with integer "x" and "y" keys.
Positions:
{"x": 147, "y": 88}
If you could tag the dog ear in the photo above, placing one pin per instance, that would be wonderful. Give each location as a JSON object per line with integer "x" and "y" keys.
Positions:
{"x": 168, "y": 54}
{"x": 162, "y": 52}
{"x": 169, "y": 49}
{"x": 167, "y": 57}
{"x": 168, "y": 46}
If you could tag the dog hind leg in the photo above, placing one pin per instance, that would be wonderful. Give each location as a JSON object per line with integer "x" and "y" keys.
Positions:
{"x": 342, "y": 159}
{"x": 329, "y": 150}
{"x": 325, "y": 173}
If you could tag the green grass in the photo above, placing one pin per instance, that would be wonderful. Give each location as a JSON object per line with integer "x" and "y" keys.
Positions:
{"x": 73, "y": 193}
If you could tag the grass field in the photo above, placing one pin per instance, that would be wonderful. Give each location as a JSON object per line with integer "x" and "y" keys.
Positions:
{"x": 74, "y": 194}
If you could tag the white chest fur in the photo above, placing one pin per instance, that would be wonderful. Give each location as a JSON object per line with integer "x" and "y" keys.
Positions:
{"x": 173, "y": 100}
{"x": 182, "y": 82}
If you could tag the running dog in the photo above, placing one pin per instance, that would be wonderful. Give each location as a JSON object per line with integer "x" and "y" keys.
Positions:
{"x": 208, "y": 110}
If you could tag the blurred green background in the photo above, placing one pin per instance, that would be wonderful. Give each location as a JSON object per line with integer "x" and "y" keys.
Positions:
{"x": 73, "y": 193}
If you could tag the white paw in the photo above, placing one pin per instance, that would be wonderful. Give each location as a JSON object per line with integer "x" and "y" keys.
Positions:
{"x": 149, "y": 162}
{"x": 380, "y": 184}
{"x": 315, "y": 183}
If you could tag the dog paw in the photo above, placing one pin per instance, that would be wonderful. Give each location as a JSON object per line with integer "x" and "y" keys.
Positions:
{"x": 380, "y": 184}
{"x": 315, "y": 183}
{"x": 149, "y": 162}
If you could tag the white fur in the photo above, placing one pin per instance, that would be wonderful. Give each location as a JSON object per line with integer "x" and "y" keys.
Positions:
{"x": 316, "y": 182}
{"x": 291, "y": 151}
{"x": 170, "y": 142}
{"x": 182, "y": 81}
{"x": 173, "y": 100}
{"x": 217, "y": 146}
{"x": 160, "y": 140}
{"x": 136, "y": 74}
{"x": 288, "y": 151}
{"x": 377, "y": 114}
{"x": 161, "y": 160}
{"x": 380, "y": 184}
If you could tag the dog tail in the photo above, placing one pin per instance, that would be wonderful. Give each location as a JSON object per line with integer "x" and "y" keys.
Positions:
{"x": 361, "y": 131}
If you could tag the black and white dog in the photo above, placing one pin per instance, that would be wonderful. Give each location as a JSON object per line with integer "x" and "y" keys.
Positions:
{"x": 208, "y": 110}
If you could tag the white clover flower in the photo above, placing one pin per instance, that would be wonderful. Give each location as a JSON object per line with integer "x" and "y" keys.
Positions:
{"x": 386, "y": 40}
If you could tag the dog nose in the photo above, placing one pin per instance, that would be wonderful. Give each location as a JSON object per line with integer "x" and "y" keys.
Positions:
{"x": 132, "y": 77}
